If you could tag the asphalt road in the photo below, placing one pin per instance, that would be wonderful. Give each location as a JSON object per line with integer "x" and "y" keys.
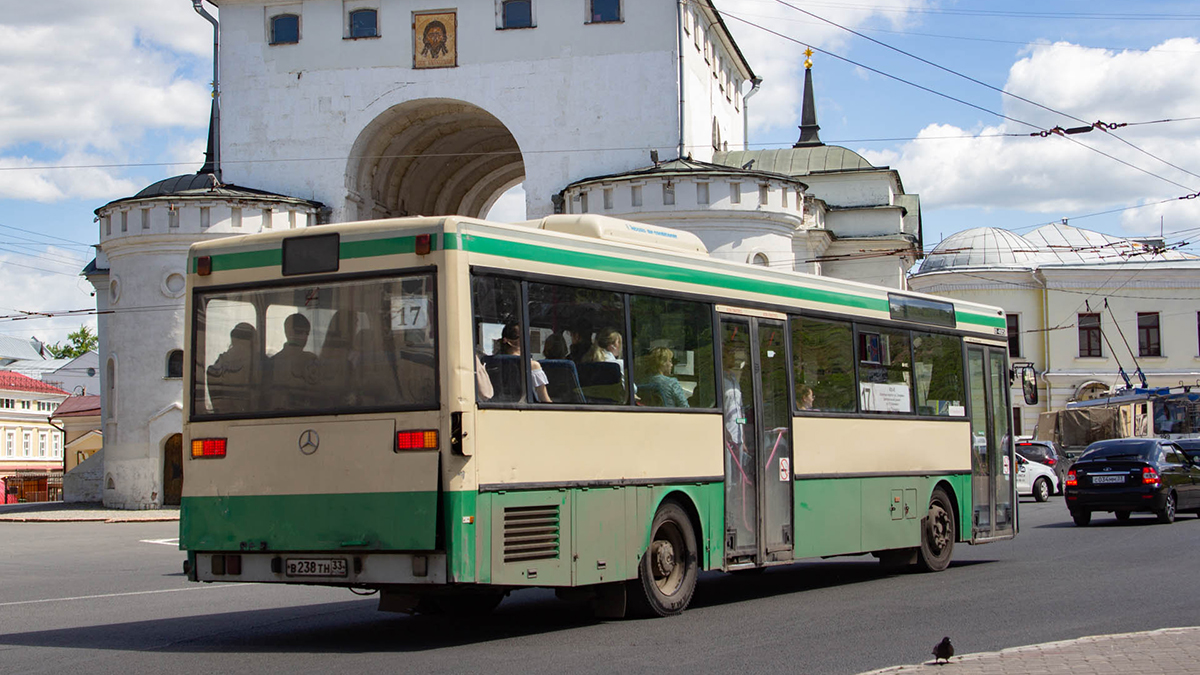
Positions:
{"x": 111, "y": 598}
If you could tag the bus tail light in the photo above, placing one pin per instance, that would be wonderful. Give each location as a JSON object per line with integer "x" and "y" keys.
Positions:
{"x": 424, "y": 244}
{"x": 1150, "y": 477}
{"x": 1071, "y": 480}
{"x": 204, "y": 265}
{"x": 208, "y": 447}
{"x": 426, "y": 439}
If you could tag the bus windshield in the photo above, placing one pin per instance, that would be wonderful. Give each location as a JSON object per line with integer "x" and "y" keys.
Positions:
{"x": 315, "y": 349}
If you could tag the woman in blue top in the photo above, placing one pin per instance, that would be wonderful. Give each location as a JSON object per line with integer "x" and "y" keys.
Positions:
{"x": 661, "y": 362}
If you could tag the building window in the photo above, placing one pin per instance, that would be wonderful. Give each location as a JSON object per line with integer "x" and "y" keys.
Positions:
{"x": 57, "y": 445}
{"x": 124, "y": 221}
{"x": 1016, "y": 421}
{"x": 364, "y": 23}
{"x": 668, "y": 194}
{"x": 235, "y": 217}
{"x": 173, "y": 217}
{"x": 145, "y": 219}
{"x": 10, "y": 444}
{"x": 111, "y": 385}
{"x": 764, "y": 193}
{"x": 1089, "y": 335}
{"x": 608, "y": 199}
{"x": 175, "y": 363}
{"x": 107, "y": 225}
{"x": 701, "y": 193}
{"x": 1013, "y": 323}
{"x": 205, "y": 217}
{"x": 760, "y": 260}
{"x": 783, "y": 197}
{"x": 43, "y": 444}
{"x": 516, "y": 14}
{"x": 285, "y": 29}
{"x": 735, "y": 193}
{"x": 635, "y": 198}
{"x": 1149, "y": 339}
{"x": 27, "y": 444}
{"x": 605, "y": 11}
{"x": 266, "y": 219}
{"x": 583, "y": 202}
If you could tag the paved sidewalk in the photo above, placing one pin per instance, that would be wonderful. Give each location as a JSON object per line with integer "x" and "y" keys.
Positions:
{"x": 58, "y": 512}
{"x": 1168, "y": 650}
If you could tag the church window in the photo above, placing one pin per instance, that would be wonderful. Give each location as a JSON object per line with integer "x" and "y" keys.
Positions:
{"x": 291, "y": 220}
{"x": 124, "y": 221}
{"x": 266, "y": 219}
{"x": 701, "y": 193}
{"x": 583, "y": 202}
{"x": 107, "y": 225}
{"x": 764, "y": 192}
{"x": 783, "y": 196}
{"x": 605, "y": 11}
{"x": 175, "y": 363}
{"x": 285, "y": 29}
{"x": 111, "y": 385}
{"x": 735, "y": 193}
{"x": 698, "y": 35}
{"x": 173, "y": 217}
{"x": 687, "y": 22}
{"x": 760, "y": 260}
{"x": 516, "y": 14}
{"x": 635, "y": 198}
{"x": 145, "y": 219}
{"x": 235, "y": 217}
{"x": 364, "y": 23}
{"x": 668, "y": 194}
{"x": 608, "y": 199}
{"x": 205, "y": 217}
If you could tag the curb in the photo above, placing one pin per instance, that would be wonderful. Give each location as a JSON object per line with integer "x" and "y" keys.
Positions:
{"x": 101, "y": 519}
{"x": 965, "y": 658}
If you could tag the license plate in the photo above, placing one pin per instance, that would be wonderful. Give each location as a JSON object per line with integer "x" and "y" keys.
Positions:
{"x": 1108, "y": 479}
{"x": 315, "y": 567}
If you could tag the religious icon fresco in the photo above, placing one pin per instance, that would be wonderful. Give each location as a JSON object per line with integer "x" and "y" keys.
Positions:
{"x": 435, "y": 40}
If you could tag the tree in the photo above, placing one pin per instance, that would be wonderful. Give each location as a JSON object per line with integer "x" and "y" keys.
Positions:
{"x": 79, "y": 343}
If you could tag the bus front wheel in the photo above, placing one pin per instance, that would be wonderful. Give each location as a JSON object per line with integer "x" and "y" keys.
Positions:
{"x": 938, "y": 532}
{"x": 668, "y": 570}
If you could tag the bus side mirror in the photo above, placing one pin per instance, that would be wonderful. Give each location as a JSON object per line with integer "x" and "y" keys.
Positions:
{"x": 1029, "y": 384}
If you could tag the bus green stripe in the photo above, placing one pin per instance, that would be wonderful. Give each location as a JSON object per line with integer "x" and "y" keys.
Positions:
{"x": 651, "y": 270}
{"x": 384, "y": 521}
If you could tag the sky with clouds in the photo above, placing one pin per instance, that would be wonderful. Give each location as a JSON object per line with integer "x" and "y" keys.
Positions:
{"x": 97, "y": 100}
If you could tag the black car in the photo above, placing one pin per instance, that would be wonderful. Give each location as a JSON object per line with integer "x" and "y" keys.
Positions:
{"x": 1044, "y": 452}
{"x": 1190, "y": 447}
{"x": 1124, "y": 475}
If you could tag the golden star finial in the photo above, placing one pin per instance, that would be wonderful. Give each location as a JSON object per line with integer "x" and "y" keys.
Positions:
{"x": 808, "y": 52}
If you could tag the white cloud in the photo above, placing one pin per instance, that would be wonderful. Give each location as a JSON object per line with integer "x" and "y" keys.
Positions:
{"x": 1178, "y": 217}
{"x": 780, "y": 62}
{"x": 1055, "y": 175}
{"x": 87, "y": 79}
{"x": 510, "y": 207}
{"x": 49, "y": 283}
{"x": 24, "y": 178}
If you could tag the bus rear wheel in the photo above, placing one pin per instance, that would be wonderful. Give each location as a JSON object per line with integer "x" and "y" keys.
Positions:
{"x": 938, "y": 533}
{"x": 668, "y": 570}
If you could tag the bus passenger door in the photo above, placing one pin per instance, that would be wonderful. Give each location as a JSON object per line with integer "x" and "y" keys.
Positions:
{"x": 992, "y": 495}
{"x": 757, "y": 440}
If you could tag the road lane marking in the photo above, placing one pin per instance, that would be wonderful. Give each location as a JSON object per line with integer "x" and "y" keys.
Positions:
{"x": 165, "y": 542}
{"x": 115, "y": 595}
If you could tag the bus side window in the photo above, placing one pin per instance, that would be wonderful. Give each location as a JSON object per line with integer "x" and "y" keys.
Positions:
{"x": 672, "y": 352}
{"x": 496, "y": 303}
{"x": 823, "y": 360}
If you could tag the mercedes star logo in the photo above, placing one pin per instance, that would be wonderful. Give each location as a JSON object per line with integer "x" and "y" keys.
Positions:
{"x": 309, "y": 441}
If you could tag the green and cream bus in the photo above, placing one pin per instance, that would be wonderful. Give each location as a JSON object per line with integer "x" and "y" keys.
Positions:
{"x": 447, "y": 409}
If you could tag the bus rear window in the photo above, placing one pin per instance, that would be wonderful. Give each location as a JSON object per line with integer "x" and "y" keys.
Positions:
{"x": 315, "y": 349}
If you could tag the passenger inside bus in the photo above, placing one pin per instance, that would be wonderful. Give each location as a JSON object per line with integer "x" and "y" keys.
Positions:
{"x": 509, "y": 344}
{"x": 231, "y": 377}
{"x": 581, "y": 339}
{"x": 660, "y": 388}
{"x": 601, "y": 372}
{"x": 804, "y": 396}
{"x": 339, "y": 363}
{"x": 294, "y": 371}
{"x": 555, "y": 347}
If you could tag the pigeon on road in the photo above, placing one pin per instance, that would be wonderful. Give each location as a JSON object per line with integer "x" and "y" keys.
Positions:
{"x": 943, "y": 650}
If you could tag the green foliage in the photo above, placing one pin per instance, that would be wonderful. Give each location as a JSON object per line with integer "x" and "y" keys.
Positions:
{"x": 79, "y": 343}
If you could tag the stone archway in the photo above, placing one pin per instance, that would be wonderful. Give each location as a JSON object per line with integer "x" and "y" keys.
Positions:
{"x": 431, "y": 157}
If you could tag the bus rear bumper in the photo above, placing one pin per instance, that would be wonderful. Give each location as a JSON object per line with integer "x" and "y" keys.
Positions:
{"x": 325, "y": 569}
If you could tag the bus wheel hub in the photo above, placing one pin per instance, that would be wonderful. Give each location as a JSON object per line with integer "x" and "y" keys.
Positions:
{"x": 662, "y": 557}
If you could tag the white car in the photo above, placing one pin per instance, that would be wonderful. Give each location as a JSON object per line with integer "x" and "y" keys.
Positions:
{"x": 1035, "y": 478}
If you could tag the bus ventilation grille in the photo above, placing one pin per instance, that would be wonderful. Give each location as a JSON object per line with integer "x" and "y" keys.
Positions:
{"x": 530, "y": 533}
